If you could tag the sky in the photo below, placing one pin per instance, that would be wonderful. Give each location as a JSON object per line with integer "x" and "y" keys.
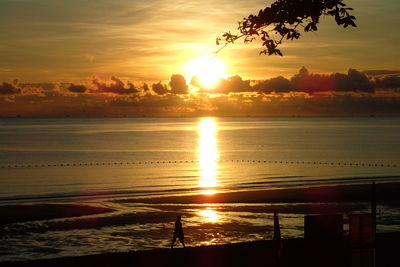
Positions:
{"x": 136, "y": 41}
{"x": 149, "y": 40}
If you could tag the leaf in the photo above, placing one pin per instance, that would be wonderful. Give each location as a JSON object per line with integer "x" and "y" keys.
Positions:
{"x": 352, "y": 23}
{"x": 282, "y": 18}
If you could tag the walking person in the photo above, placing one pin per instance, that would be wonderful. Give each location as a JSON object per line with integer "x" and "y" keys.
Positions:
{"x": 178, "y": 232}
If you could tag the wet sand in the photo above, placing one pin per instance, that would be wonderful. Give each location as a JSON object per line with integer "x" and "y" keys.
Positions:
{"x": 385, "y": 192}
{"x": 316, "y": 194}
{"x": 24, "y": 213}
{"x": 258, "y": 253}
{"x": 241, "y": 254}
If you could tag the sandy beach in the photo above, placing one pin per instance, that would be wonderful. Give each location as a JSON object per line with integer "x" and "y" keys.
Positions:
{"x": 385, "y": 192}
{"x": 258, "y": 253}
{"x": 315, "y": 200}
{"x": 24, "y": 213}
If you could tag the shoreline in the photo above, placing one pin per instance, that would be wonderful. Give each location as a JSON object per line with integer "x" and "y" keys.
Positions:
{"x": 163, "y": 210}
{"x": 385, "y": 192}
{"x": 235, "y": 254}
{"x": 24, "y": 213}
{"x": 313, "y": 194}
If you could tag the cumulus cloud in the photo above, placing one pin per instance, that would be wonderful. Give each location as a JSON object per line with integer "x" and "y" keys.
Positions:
{"x": 116, "y": 86}
{"x": 145, "y": 87}
{"x": 311, "y": 83}
{"x": 58, "y": 103}
{"x": 178, "y": 84}
{"x": 231, "y": 84}
{"x": 355, "y": 81}
{"x": 43, "y": 86}
{"x": 305, "y": 94}
{"x": 388, "y": 82}
{"x": 235, "y": 84}
{"x": 277, "y": 84}
{"x": 381, "y": 72}
{"x": 77, "y": 88}
{"x": 304, "y": 81}
{"x": 9, "y": 89}
{"x": 159, "y": 88}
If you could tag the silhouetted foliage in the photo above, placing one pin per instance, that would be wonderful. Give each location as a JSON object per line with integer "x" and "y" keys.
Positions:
{"x": 281, "y": 21}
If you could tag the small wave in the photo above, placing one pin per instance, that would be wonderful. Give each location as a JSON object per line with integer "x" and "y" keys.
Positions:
{"x": 311, "y": 180}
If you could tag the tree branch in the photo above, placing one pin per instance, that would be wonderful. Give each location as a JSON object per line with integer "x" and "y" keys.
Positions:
{"x": 283, "y": 17}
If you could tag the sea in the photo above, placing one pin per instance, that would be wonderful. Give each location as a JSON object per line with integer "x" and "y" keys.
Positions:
{"x": 102, "y": 162}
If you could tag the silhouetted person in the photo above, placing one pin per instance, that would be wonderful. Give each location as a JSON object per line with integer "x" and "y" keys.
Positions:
{"x": 178, "y": 232}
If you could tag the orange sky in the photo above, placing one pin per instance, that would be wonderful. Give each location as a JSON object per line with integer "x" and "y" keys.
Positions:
{"x": 92, "y": 58}
{"x": 149, "y": 40}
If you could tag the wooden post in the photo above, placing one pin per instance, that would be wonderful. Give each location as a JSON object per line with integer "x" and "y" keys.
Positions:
{"x": 277, "y": 239}
{"x": 373, "y": 206}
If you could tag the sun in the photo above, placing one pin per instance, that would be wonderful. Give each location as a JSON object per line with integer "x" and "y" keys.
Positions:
{"x": 208, "y": 70}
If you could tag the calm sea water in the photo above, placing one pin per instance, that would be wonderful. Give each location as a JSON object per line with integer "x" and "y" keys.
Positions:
{"x": 96, "y": 161}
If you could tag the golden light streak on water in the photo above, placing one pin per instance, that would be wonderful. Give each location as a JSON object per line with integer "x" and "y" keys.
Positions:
{"x": 208, "y": 155}
{"x": 209, "y": 215}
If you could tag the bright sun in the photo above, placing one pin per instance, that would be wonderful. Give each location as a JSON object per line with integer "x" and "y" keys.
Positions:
{"x": 207, "y": 69}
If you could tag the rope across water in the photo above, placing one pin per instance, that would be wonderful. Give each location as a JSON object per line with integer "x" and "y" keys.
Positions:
{"x": 164, "y": 162}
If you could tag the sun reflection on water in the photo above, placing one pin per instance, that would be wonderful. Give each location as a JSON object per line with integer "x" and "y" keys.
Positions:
{"x": 208, "y": 155}
{"x": 209, "y": 215}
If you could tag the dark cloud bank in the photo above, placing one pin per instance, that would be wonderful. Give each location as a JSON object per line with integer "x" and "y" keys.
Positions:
{"x": 354, "y": 93}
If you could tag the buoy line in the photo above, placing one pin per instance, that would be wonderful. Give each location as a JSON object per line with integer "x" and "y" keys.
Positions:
{"x": 85, "y": 164}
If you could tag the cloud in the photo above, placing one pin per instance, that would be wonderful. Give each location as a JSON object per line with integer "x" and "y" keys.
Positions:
{"x": 235, "y": 84}
{"x": 304, "y": 81}
{"x": 355, "y": 81}
{"x": 381, "y": 72}
{"x": 388, "y": 82}
{"x": 145, "y": 87}
{"x": 178, "y": 84}
{"x": 231, "y": 84}
{"x": 159, "y": 88}
{"x": 115, "y": 87}
{"x": 44, "y": 86}
{"x": 305, "y": 94}
{"x": 9, "y": 89}
{"x": 77, "y": 88}
{"x": 89, "y": 57}
{"x": 62, "y": 103}
{"x": 312, "y": 83}
{"x": 277, "y": 84}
